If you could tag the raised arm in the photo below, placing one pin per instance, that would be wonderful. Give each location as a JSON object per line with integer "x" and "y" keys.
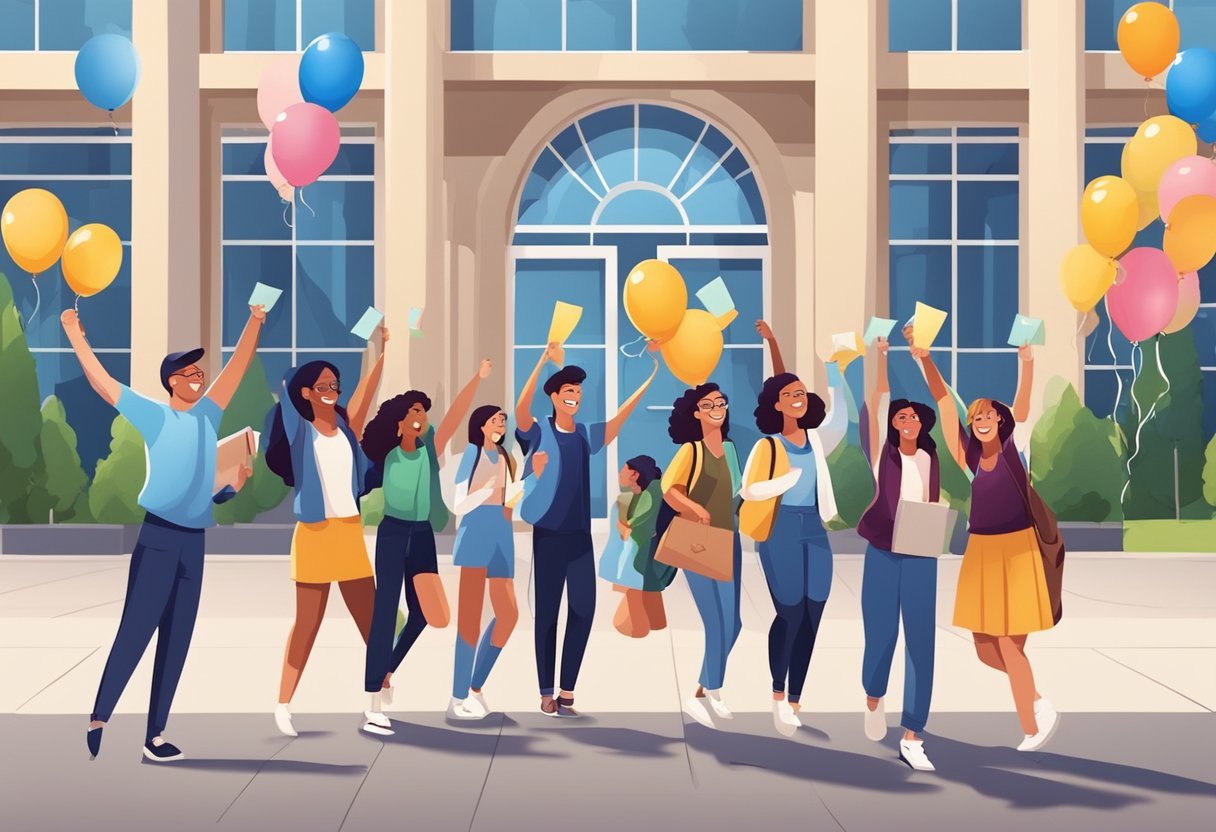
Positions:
{"x": 98, "y": 378}
{"x": 523, "y": 407}
{"x": 460, "y": 408}
{"x": 880, "y": 393}
{"x": 835, "y": 424}
{"x": 613, "y": 428}
{"x": 1021, "y": 400}
{"x": 946, "y": 409}
{"x": 365, "y": 392}
{"x": 766, "y": 333}
{"x": 224, "y": 387}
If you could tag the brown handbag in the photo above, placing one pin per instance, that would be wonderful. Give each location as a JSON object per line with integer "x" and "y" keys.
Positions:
{"x": 698, "y": 547}
{"x": 1051, "y": 542}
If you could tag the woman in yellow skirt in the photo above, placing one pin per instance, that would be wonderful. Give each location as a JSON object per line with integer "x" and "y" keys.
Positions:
{"x": 313, "y": 445}
{"x": 1002, "y": 589}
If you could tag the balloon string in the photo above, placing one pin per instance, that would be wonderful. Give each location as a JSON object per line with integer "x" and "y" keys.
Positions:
{"x": 76, "y": 305}
{"x": 1148, "y": 89}
{"x": 1110, "y": 345}
{"x": 37, "y": 298}
{"x": 625, "y": 348}
{"x": 305, "y": 203}
{"x": 1151, "y": 411}
{"x": 287, "y": 222}
{"x": 1081, "y": 326}
{"x": 112, "y": 123}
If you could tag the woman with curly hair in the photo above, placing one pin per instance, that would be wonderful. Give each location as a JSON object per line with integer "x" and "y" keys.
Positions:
{"x": 787, "y": 493}
{"x": 404, "y": 449}
{"x": 313, "y": 446}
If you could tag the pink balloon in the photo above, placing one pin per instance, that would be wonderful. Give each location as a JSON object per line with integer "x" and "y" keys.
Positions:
{"x": 277, "y": 179}
{"x": 304, "y": 143}
{"x": 1189, "y": 176}
{"x": 1143, "y": 302}
{"x": 1188, "y": 303}
{"x": 278, "y": 89}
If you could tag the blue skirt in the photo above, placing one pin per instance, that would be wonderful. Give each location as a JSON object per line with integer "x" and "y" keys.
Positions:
{"x": 485, "y": 541}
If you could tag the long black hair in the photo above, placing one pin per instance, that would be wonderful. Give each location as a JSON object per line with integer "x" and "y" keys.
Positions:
{"x": 380, "y": 435}
{"x": 683, "y": 425}
{"x": 477, "y": 421}
{"x": 278, "y": 445}
{"x": 770, "y": 421}
{"x": 647, "y": 469}
{"x": 927, "y": 416}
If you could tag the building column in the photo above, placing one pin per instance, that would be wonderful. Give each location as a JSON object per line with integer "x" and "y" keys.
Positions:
{"x": 1052, "y": 180}
{"x": 846, "y": 179}
{"x": 166, "y": 191}
{"x": 412, "y": 181}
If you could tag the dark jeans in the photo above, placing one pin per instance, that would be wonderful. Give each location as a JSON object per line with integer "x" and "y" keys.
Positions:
{"x": 562, "y": 560}
{"x": 404, "y": 549}
{"x": 163, "y": 587}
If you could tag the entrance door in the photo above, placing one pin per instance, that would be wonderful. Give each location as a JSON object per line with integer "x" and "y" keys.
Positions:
{"x": 584, "y": 276}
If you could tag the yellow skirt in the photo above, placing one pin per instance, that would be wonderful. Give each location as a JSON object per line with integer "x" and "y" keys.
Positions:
{"x": 1002, "y": 590}
{"x": 332, "y": 550}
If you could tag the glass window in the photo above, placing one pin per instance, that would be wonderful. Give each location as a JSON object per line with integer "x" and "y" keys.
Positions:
{"x": 720, "y": 25}
{"x": 599, "y": 25}
{"x": 989, "y": 25}
{"x": 320, "y": 252}
{"x": 987, "y": 290}
{"x": 507, "y": 25}
{"x": 920, "y": 211}
{"x": 929, "y": 25}
{"x": 1197, "y": 20}
{"x": 66, "y": 24}
{"x": 17, "y": 25}
{"x": 290, "y": 25}
{"x": 1102, "y": 21}
{"x": 90, "y": 171}
{"x": 908, "y": 158}
{"x": 919, "y": 26}
{"x": 988, "y": 210}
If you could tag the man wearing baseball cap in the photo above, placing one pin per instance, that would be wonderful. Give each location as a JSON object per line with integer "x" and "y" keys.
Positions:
{"x": 167, "y": 565}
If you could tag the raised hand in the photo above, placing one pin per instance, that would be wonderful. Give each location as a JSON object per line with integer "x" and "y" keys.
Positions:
{"x": 483, "y": 370}
{"x": 1026, "y": 353}
{"x": 882, "y": 345}
{"x": 765, "y": 331}
{"x": 71, "y": 322}
{"x": 258, "y": 312}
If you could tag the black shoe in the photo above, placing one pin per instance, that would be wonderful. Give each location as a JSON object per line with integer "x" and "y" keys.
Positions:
{"x": 166, "y": 752}
{"x": 93, "y": 740}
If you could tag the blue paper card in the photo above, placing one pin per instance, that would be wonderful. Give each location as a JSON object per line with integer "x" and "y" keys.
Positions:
{"x": 264, "y": 295}
{"x": 414, "y": 317}
{"x": 367, "y": 324}
{"x": 1027, "y": 331}
{"x": 878, "y": 328}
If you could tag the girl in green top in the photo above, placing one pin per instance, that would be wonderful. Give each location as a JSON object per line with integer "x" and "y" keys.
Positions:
{"x": 642, "y": 610}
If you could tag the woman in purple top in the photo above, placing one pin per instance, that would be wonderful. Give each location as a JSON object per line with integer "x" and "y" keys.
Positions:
{"x": 1002, "y": 588}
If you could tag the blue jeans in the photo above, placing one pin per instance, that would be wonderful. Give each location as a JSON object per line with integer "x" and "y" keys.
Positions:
{"x": 563, "y": 562}
{"x": 718, "y": 604}
{"x": 405, "y": 549}
{"x": 797, "y": 562}
{"x": 163, "y": 587}
{"x": 892, "y": 585}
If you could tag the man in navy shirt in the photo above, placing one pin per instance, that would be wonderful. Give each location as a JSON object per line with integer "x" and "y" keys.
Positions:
{"x": 557, "y": 502}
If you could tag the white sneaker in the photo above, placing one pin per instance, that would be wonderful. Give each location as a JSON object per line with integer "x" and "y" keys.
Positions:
{"x": 1049, "y": 720}
{"x": 282, "y": 720}
{"x": 719, "y": 707}
{"x": 912, "y": 752}
{"x": 785, "y": 720}
{"x": 376, "y": 723}
{"x": 694, "y": 706}
{"x": 481, "y": 700}
{"x": 466, "y": 709}
{"x": 876, "y": 721}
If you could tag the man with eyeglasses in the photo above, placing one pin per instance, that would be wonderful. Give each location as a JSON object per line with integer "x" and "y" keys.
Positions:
{"x": 167, "y": 565}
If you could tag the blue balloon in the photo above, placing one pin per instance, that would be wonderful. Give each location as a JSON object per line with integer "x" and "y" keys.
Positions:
{"x": 107, "y": 70}
{"x": 331, "y": 70}
{"x": 1190, "y": 86}
{"x": 1207, "y": 129}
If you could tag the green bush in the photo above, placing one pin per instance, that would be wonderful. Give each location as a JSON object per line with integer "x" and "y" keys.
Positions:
{"x": 264, "y": 490}
{"x": 114, "y": 495}
{"x": 60, "y": 482}
{"x": 1075, "y": 458}
{"x": 1209, "y": 473}
{"x": 1177, "y": 424}
{"x": 853, "y": 484}
{"x": 371, "y": 507}
{"x": 20, "y": 460}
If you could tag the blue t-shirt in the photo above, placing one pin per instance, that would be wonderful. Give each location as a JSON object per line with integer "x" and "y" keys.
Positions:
{"x": 570, "y": 510}
{"x": 181, "y": 450}
{"x": 803, "y": 494}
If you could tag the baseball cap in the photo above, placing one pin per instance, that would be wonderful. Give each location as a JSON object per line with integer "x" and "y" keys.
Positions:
{"x": 177, "y": 361}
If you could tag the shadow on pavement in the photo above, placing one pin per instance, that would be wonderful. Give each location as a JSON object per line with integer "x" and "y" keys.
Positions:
{"x": 256, "y": 766}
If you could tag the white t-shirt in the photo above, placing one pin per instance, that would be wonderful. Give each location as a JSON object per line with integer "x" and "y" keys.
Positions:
{"x": 336, "y": 467}
{"x": 914, "y": 482}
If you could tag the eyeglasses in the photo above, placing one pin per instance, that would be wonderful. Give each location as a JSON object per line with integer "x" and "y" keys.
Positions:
{"x": 197, "y": 374}
{"x": 328, "y": 388}
{"x": 709, "y": 407}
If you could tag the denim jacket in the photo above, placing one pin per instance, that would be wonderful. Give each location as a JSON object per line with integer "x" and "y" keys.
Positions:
{"x": 309, "y": 503}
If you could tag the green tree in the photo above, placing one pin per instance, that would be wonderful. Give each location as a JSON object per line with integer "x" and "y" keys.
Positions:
{"x": 852, "y": 482}
{"x": 371, "y": 507}
{"x": 21, "y": 423}
{"x": 1075, "y": 458}
{"x": 114, "y": 495}
{"x": 248, "y": 408}
{"x": 1209, "y": 473}
{"x": 1177, "y": 424}
{"x": 60, "y": 481}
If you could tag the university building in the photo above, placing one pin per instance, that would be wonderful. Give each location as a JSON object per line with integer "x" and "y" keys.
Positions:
{"x": 830, "y": 160}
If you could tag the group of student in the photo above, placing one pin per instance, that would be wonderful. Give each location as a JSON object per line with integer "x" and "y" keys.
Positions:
{"x": 781, "y": 497}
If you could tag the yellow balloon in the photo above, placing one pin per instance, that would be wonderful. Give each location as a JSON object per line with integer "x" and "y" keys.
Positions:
{"x": 1190, "y": 235}
{"x": 91, "y": 259}
{"x": 1158, "y": 143}
{"x": 1148, "y": 209}
{"x": 1148, "y": 37}
{"x": 1109, "y": 213}
{"x": 1085, "y": 275}
{"x": 1188, "y": 303}
{"x": 655, "y": 299}
{"x": 693, "y": 352}
{"x": 35, "y": 227}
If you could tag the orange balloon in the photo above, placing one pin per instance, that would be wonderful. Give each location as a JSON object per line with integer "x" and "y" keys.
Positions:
{"x": 655, "y": 298}
{"x": 1109, "y": 213}
{"x": 1148, "y": 37}
{"x": 693, "y": 352}
{"x": 1188, "y": 303}
{"x": 1148, "y": 209}
{"x": 1159, "y": 142}
{"x": 1190, "y": 235}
